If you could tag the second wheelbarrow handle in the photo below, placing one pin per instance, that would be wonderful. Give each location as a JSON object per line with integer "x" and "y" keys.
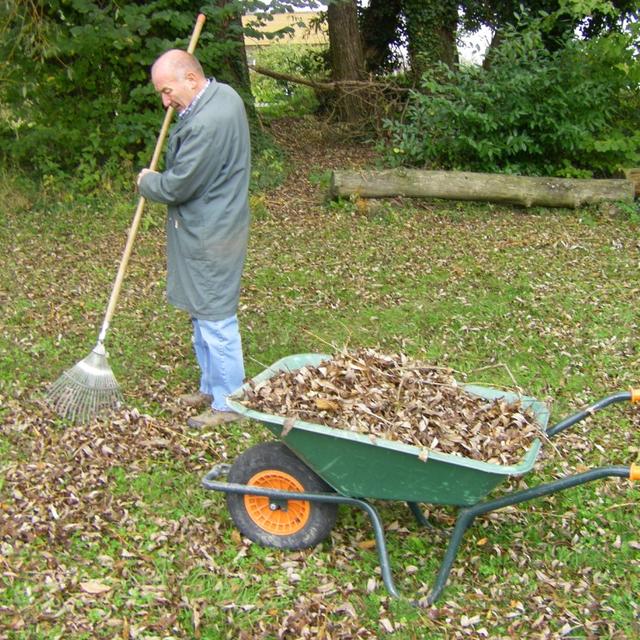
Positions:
{"x": 467, "y": 515}
{"x": 622, "y": 396}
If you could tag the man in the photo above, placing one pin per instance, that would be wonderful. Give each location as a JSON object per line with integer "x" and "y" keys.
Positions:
{"x": 206, "y": 187}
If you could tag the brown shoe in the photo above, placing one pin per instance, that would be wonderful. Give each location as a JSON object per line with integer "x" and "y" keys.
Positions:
{"x": 212, "y": 418}
{"x": 195, "y": 400}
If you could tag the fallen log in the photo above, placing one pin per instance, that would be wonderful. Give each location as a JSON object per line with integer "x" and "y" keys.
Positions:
{"x": 634, "y": 176}
{"x": 484, "y": 187}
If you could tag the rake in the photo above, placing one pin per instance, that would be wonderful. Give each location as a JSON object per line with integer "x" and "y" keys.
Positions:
{"x": 90, "y": 388}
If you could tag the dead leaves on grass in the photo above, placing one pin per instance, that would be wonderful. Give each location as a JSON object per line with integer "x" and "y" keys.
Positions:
{"x": 67, "y": 478}
{"x": 61, "y": 492}
{"x": 57, "y": 483}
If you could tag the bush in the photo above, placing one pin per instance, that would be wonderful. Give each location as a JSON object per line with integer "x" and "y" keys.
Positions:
{"x": 572, "y": 112}
{"x": 75, "y": 92}
{"x": 279, "y": 97}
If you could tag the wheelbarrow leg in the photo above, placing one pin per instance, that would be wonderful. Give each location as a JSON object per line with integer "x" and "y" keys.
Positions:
{"x": 211, "y": 481}
{"x": 463, "y": 522}
{"x": 468, "y": 515}
{"x": 419, "y": 516}
{"x": 381, "y": 544}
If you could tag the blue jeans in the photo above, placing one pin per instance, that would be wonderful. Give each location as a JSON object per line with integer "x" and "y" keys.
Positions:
{"x": 218, "y": 350}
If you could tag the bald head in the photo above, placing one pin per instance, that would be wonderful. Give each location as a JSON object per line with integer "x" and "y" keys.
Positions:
{"x": 177, "y": 62}
{"x": 178, "y": 77}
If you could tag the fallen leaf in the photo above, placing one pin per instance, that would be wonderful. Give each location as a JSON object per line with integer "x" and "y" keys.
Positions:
{"x": 324, "y": 404}
{"x": 287, "y": 426}
{"x": 367, "y": 544}
{"x": 94, "y": 587}
{"x": 465, "y": 621}
{"x": 386, "y": 625}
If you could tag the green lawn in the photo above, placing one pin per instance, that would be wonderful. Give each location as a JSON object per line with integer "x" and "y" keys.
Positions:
{"x": 105, "y": 530}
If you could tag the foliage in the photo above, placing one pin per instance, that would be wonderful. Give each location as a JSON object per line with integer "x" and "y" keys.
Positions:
{"x": 262, "y": 12}
{"x": 381, "y": 34}
{"x": 269, "y": 168}
{"x": 74, "y": 91}
{"x": 77, "y": 91}
{"x": 279, "y": 97}
{"x": 572, "y": 112}
{"x": 589, "y": 17}
{"x": 431, "y": 32}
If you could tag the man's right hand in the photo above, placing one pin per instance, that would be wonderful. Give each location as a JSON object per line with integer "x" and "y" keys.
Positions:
{"x": 142, "y": 174}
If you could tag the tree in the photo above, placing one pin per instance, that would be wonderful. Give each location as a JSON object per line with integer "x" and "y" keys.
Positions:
{"x": 228, "y": 28}
{"x": 589, "y": 18}
{"x": 431, "y": 33}
{"x": 380, "y": 29}
{"x": 346, "y": 53}
{"x": 427, "y": 28}
{"x": 572, "y": 112}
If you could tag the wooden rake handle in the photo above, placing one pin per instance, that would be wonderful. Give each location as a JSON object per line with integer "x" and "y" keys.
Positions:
{"x": 133, "y": 230}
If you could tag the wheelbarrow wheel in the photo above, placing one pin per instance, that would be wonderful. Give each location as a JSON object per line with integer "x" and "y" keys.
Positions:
{"x": 285, "y": 524}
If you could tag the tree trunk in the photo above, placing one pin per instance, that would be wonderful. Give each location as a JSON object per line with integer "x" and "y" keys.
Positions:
{"x": 485, "y": 187}
{"x": 431, "y": 32}
{"x": 489, "y": 54}
{"x": 236, "y": 70}
{"x": 379, "y": 23}
{"x": 347, "y": 58}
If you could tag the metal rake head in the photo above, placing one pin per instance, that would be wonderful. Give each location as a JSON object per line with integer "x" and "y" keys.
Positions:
{"x": 86, "y": 390}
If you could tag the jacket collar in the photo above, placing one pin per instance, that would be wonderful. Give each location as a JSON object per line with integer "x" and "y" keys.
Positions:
{"x": 201, "y": 98}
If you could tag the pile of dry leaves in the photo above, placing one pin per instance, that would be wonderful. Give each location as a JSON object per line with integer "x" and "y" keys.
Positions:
{"x": 395, "y": 398}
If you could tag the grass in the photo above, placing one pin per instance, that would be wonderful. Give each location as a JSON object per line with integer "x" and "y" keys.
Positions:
{"x": 544, "y": 300}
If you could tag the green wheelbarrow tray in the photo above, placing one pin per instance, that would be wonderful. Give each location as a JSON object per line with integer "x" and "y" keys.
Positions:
{"x": 358, "y": 466}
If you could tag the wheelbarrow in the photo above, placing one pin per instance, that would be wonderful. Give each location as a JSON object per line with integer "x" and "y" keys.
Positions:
{"x": 285, "y": 494}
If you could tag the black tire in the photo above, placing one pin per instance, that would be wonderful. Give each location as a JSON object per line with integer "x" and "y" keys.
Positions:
{"x": 296, "y": 524}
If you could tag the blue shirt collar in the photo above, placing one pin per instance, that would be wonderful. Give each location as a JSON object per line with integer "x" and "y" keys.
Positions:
{"x": 193, "y": 103}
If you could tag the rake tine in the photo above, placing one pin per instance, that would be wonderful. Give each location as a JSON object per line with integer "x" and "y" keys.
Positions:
{"x": 86, "y": 390}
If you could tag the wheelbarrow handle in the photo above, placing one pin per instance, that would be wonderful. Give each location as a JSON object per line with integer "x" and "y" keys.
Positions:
{"x": 467, "y": 515}
{"x": 622, "y": 396}
{"x": 216, "y": 473}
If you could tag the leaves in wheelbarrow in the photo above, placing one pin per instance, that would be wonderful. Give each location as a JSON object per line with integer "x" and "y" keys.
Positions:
{"x": 396, "y": 398}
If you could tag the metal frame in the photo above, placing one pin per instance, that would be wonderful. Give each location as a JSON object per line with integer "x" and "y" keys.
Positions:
{"x": 466, "y": 515}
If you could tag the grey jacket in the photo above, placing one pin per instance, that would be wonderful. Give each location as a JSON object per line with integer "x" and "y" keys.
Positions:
{"x": 206, "y": 187}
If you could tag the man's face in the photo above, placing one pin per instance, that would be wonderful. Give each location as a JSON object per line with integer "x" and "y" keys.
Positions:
{"x": 176, "y": 92}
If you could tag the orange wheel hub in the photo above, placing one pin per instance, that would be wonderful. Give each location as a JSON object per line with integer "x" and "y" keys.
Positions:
{"x": 270, "y": 517}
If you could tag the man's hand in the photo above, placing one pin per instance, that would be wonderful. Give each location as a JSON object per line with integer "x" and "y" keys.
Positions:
{"x": 142, "y": 174}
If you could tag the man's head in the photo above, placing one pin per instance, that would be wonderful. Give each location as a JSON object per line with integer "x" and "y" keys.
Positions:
{"x": 178, "y": 77}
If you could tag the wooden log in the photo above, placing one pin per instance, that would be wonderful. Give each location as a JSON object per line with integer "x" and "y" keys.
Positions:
{"x": 484, "y": 187}
{"x": 634, "y": 176}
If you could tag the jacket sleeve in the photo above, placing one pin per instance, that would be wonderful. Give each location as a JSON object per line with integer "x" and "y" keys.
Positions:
{"x": 198, "y": 160}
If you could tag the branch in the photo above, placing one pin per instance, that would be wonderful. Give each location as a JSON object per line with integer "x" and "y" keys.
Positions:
{"x": 328, "y": 86}
{"x": 322, "y": 86}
